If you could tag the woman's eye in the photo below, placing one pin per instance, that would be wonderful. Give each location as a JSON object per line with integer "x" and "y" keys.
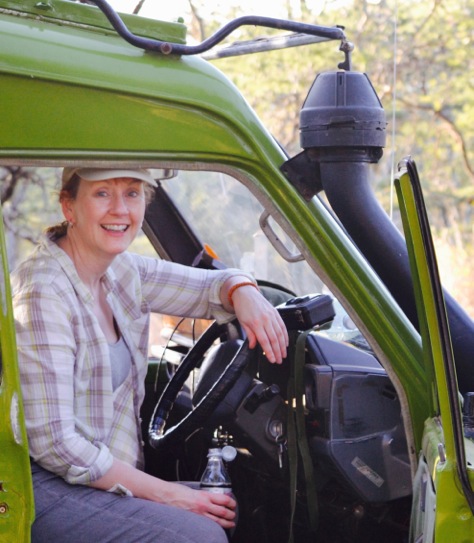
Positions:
{"x": 134, "y": 194}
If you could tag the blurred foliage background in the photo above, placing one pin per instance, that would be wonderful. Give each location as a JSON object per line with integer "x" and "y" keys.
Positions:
{"x": 419, "y": 58}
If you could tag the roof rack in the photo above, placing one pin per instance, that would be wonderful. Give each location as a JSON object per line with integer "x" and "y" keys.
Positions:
{"x": 304, "y": 33}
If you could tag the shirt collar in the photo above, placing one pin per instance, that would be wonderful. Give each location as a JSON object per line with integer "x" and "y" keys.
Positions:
{"x": 69, "y": 269}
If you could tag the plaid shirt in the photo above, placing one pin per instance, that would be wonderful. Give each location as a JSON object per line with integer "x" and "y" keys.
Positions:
{"x": 76, "y": 423}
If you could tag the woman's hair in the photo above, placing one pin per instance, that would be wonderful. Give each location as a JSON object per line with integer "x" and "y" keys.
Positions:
{"x": 69, "y": 192}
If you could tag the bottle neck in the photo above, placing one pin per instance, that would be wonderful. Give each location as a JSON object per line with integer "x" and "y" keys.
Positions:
{"x": 215, "y": 475}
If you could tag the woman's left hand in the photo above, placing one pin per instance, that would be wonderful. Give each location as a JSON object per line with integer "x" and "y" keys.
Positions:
{"x": 261, "y": 322}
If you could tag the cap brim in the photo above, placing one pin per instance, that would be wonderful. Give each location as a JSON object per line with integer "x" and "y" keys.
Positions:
{"x": 101, "y": 174}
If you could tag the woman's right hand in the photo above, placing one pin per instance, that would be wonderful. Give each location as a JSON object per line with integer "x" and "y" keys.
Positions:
{"x": 216, "y": 506}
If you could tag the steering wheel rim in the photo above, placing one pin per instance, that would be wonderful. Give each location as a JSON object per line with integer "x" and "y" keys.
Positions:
{"x": 158, "y": 437}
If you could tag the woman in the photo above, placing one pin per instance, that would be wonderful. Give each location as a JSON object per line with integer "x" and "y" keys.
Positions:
{"x": 82, "y": 306}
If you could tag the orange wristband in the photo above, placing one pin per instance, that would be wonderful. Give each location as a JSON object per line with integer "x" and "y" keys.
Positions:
{"x": 236, "y": 286}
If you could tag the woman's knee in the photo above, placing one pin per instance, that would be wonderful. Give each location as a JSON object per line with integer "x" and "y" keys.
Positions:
{"x": 79, "y": 514}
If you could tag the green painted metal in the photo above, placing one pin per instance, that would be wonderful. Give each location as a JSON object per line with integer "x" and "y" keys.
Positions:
{"x": 87, "y": 96}
{"x": 16, "y": 495}
{"x": 80, "y": 93}
{"x": 454, "y": 520}
{"x": 66, "y": 12}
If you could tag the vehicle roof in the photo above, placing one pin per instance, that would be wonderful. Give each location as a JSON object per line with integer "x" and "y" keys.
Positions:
{"x": 136, "y": 101}
{"x": 65, "y": 12}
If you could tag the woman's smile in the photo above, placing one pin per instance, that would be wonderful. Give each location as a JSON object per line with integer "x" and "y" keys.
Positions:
{"x": 115, "y": 227}
{"x": 105, "y": 217}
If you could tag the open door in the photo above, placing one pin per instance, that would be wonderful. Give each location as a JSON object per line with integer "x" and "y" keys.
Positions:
{"x": 16, "y": 494}
{"x": 443, "y": 486}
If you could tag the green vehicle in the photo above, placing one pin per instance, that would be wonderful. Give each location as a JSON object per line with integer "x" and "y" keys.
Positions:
{"x": 365, "y": 432}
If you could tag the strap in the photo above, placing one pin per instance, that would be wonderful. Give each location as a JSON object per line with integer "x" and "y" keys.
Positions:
{"x": 297, "y": 440}
{"x": 292, "y": 448}
{"x": 311, "y": 495}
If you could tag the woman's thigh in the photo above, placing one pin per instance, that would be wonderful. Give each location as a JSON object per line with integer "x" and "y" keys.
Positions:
{"x": 78, "y": 514}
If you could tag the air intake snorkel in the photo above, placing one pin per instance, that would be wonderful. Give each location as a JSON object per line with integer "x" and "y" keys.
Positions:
{"x": 342, "y": 131}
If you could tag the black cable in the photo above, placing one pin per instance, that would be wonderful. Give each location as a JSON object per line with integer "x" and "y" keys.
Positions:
{"x": 167, "y": 48}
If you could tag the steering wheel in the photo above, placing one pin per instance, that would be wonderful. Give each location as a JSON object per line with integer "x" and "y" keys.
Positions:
{"x": 223, "y": 369}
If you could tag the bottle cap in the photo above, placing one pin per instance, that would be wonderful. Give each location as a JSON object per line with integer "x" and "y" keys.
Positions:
{"x": 229, "y": 453}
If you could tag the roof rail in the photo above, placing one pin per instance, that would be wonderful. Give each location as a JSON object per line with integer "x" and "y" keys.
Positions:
{"x": 323, "y": 33}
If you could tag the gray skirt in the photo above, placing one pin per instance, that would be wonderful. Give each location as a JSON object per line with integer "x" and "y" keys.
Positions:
{"x": 79, "y": 514}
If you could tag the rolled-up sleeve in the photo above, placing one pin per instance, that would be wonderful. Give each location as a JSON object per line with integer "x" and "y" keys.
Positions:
{"x": 174, "y": 289}
{"x": 47, "y": 353}
{"x": 76, "y": 423}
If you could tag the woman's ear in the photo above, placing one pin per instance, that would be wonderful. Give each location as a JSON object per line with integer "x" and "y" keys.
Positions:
{"x": 67, "y": 209}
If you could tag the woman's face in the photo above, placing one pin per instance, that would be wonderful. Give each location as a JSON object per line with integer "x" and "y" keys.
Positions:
{"x": 106, "y": 215}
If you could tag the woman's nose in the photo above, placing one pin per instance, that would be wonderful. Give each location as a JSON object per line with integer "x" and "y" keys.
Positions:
{"x": 119, "y": 205}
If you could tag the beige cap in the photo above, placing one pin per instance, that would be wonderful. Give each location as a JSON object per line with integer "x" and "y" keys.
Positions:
{"x": 100, "y": 174}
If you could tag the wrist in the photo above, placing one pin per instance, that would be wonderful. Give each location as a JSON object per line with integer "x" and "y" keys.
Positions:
{"x": 237, "y": 286}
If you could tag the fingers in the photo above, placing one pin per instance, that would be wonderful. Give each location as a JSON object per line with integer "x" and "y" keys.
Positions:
{"x": 222, "y": 513}
{"x": 218, "y": 507}
{"x": 278, "y": 338}
{"x": 262, "y": 323}
{"x": 271, "y": 334}
{"x": 221, "y": 521}
{"x": 222, "y": 499}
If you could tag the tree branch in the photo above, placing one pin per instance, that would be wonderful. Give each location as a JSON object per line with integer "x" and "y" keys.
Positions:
{"x": 199, "y": 20}
{"x": 453, "y": 129}
{"x": 138, "y": 7}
